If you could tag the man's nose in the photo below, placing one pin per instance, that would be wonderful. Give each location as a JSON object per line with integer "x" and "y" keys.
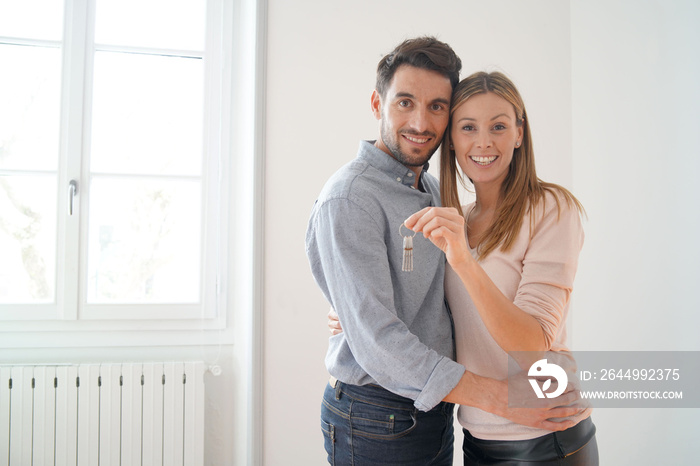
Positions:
{"x": 419, "y": 120}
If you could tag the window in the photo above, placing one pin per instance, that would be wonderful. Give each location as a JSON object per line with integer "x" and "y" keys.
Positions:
{"x": 113, "y": 161}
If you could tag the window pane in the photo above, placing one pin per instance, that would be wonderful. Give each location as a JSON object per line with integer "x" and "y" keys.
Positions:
{"x": 170, "y": 24}
{"x": 32, "y": 19}
{"x": 27, "y": 239}
{"x": 29, "y": 107}
{"x": 144, "y": 241}
{"x": 147, "y": 114}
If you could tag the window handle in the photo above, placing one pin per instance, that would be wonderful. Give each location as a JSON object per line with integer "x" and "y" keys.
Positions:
{"x": 72, "y": 192}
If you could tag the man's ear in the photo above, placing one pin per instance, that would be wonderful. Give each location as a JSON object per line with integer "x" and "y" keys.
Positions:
{"x": 376, "y": 104}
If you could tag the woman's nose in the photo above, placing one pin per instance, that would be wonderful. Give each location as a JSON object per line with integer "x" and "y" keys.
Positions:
{"x": 483, "y": 139}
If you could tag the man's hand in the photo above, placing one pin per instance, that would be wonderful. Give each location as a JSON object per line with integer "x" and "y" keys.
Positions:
{"x": 491, "y": 395}
{"x": 521, "y": 405}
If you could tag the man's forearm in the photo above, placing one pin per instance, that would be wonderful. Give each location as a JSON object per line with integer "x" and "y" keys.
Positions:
{"x": 478, "y": 392}
{"x": 491, "y": 395}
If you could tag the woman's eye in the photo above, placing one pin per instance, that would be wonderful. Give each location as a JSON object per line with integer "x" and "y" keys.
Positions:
{"x": 467, "y": 128}
{"x": 499, "y": 127}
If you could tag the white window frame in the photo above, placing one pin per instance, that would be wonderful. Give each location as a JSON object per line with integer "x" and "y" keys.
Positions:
{"x": 238, "y": 138}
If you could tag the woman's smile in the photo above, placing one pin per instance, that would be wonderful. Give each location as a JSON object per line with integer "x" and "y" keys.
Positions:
{"x": 484, "y": 161}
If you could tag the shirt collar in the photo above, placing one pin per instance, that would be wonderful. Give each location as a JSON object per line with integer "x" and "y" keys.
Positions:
{"x": 387, "y": 164}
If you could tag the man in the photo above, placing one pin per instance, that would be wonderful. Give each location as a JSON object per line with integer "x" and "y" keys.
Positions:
{"x": 393, "y": 375}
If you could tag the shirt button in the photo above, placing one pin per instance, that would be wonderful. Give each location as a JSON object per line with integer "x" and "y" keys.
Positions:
{"x": 410, "y": 174}
{"x": 398, "y": 179}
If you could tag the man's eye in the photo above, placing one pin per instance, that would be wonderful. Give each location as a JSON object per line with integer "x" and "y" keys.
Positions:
{"x": 437, "y": 107}
{"x": 404, "y": 103}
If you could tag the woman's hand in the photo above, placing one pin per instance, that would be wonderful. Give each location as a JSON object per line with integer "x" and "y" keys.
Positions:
{"x": 511, "y": 327}
{"x": 334, "y": 322}
{"x": 444, "y": 227}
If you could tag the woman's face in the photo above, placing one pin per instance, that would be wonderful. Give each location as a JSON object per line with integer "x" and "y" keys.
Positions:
{"x": 484, "y": 135}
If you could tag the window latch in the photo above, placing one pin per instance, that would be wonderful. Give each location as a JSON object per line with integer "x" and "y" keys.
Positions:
{"x": 72, "y": 192}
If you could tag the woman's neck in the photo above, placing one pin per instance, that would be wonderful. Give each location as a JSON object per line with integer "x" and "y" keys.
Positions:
{"x": 482, "y": 216}
{"x": 487, "y": 198}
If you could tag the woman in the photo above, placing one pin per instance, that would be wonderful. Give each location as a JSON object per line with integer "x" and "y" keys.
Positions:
{"x": 512, "y": 258}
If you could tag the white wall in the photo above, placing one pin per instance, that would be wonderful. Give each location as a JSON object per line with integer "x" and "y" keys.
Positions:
{"x": 612, "y": 91}
{"x": 636, "y": 70}
{"x": 321, "y": 64}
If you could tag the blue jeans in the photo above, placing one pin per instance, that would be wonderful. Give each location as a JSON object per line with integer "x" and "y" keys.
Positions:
{"x": 369, "y": 425}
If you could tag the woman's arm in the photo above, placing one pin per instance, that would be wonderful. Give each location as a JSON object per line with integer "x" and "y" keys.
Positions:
{"x": 513, "y": 328}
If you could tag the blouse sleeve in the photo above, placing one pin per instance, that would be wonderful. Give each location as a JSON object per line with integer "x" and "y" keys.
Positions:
{"x": 549, "y": 265}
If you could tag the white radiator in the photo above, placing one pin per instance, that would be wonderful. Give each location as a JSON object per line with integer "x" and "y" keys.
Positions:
{"x": 102, "y": 415}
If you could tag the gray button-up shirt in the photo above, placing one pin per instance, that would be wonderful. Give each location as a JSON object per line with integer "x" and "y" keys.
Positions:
{"x": 397, "y": 329}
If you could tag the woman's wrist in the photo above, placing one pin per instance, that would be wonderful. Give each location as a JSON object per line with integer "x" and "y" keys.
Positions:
{"x": 465, "y": 265}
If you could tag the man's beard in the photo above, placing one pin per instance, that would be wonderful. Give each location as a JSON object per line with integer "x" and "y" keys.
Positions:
{"x": 392, "y": 143}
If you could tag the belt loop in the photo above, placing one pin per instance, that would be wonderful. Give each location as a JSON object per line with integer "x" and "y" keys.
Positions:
{"x": 337, "y": 390}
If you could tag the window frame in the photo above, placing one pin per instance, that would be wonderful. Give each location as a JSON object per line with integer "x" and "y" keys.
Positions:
{"x": 239, "y": 189}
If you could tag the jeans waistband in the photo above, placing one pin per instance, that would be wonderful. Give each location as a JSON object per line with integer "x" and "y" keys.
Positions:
{"x": 375, "y": 395}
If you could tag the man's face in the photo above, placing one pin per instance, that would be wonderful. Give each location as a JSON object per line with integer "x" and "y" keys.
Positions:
{"x": 413, "y": 114}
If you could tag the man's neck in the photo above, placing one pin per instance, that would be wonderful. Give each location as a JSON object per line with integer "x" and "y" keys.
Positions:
{"x": 418, "y": 171}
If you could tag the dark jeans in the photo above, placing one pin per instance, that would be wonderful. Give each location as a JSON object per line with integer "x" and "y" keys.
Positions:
{"x": 572, "y": 447}
{"x": 369, "y": 425}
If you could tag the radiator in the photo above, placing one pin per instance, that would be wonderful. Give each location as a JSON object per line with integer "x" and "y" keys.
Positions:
{"x": 102, "y": 414}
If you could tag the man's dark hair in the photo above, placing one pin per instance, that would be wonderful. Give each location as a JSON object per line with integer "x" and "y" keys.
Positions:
{"x": 427, "y": 53}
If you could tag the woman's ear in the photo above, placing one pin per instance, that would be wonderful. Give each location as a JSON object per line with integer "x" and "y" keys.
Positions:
{"x": 521, "y": 133}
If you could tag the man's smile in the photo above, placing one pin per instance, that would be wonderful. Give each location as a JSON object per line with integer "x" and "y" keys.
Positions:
{"x": 415, "y": 139}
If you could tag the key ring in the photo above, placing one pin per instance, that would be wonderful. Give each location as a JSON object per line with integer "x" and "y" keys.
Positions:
{"x": 404, "y": 226}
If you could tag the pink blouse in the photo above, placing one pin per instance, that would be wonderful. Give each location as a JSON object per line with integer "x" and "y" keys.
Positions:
{"x": 537, "y": 274}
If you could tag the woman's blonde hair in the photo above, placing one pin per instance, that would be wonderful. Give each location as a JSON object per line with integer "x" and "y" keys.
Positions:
{"x": 522, "y": 191}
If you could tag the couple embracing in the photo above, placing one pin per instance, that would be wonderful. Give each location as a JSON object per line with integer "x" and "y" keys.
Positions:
{"x": 488, "y": 279}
